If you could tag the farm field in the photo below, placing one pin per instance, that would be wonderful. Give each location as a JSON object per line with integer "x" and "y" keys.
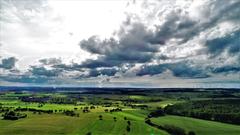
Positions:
{"x": 58, "y": 124}
{"x": 201, "y": 127}
{"x": 109, "y": 112}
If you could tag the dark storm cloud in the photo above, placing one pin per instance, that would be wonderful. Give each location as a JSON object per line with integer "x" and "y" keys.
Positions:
{"x": 176, "y": 26}
{"x": 8, "y": 63}
{"x": 134, "y": 46}
{"x": 180, "y": 69}
{"x": 180, "y": 25}
{"x": 98, "y": 72}
{"x": 42, "y": 71}
{"x": 100, "y": 62}
{"x": 139, "y": 45}
{"x": 231, "y": 42}
{"x": 184, "y": 69}
{"x": 70, "y": 67}
{"x": 226, "y": 69}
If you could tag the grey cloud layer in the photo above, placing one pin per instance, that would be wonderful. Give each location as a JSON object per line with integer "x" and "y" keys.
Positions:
{"x": 140, "y": 45}
{"x": 42, "y": 71}
{"x": 136, "y": 44}
{"x": 180, "y": 69}
{"x": 166, "y": 46}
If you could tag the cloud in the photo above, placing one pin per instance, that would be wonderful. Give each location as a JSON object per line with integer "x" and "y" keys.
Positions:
{"x": 25, "y": 79}
{"x": 8, "y": 63}
{"x": 229, "y": 42}
{"x": 133, "y": 46}
{"x": 226, "y": 69}
{"x": 50, "y": 61}
{"x": 99, "y": 72}
{"x": 181, "y": 27}
{"x": 190, "y": 39}
{"x": 137, "y": 44}
{"x": 42, "y": 71}
{"x": 180, "y": 69}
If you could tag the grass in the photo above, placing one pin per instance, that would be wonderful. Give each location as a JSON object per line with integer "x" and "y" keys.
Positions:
{"x": 163, "y": 103}
{"x": 56, "y": 124}
{"x": 200, "y": 127}
{"x": 60, "y": 124}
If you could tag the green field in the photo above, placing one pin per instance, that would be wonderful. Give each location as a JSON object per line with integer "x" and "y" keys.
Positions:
{"x": 135, "y": 108}
{"x": 55, "y": 124}
{"x": 201, "y": 127}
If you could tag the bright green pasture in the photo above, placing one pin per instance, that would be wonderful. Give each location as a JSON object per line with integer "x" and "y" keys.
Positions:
{"x": 57, "y": 124}
{"x": 200, "y": 127}
{"x": 47, "y": 106}
{"x": 163, "y": 103}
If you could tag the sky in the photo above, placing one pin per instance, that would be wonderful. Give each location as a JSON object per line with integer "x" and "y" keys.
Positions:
{"x": 122, "y": 43}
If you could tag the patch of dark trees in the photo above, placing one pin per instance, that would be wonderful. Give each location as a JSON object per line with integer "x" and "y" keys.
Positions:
{"x": 107, "y": 104}
{"x": 3, "y": 109}
{"x": 39, "y": 111}
{"x": 171, "y": 129}
{"x": 156, "y": 113}
{"x": 63, "y": 100}
{"x": 76, "y": 97}
{"x": 34, "y": 110}
{"x": 113, "y": 110}
{"x": 12, "y": 115}
{"x": 34, "y": 99}
{"x": 86, "y": 109}
{"x": 71, "y": 99}
{"x": 70, "y": 113}
{"x": 129, "y": 102}
{"x": 227, "y": 111}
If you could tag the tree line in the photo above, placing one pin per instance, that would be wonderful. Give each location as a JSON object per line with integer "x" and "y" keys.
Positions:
{"x": 227, "y": 111}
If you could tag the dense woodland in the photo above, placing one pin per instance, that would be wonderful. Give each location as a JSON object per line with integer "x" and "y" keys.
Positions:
{"x": 227, "y": 110}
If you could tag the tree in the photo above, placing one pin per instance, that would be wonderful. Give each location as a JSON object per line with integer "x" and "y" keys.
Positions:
{"x": 173, "y": 130}
{"x": 100, "y": 117}
{"x": 148, "y": 121}
{"x": 191, "y": 133}
{"x": 157, "y": 113}
{"x": 11, "y": 115}
{"x": 128, "y": 122}
{"x": 92, "y": 107}
{"x": 88, "y": 133}
{"x": 128, "y": 128}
